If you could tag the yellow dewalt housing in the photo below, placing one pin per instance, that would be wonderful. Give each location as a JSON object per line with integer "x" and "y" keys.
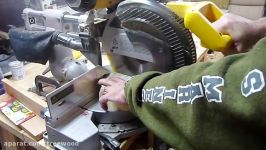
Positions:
{"x": 198, "y": 17}
{"x": 105, "y": 3}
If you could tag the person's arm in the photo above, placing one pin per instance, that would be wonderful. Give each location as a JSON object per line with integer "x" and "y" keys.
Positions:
{"x": 206, "y": 105}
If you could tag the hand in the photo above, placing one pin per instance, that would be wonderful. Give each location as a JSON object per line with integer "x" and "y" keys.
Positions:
{"x": 112, "y": 90}
{"x": 245, "y": 32}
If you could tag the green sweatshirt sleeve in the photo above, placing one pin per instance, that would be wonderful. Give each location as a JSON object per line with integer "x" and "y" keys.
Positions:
{"x": 206, "y": 105}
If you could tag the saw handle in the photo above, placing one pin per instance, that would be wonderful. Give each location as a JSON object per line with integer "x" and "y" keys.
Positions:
{"x": 198, "y": 17}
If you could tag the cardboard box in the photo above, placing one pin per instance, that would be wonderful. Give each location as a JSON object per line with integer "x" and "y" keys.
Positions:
{"x": 248, "y": 2}
{"x": 251, "y": 12}
{"x": 223, "y": 4}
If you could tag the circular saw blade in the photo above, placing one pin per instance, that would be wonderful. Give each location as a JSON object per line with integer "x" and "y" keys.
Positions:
{"x": 152, "y": 28}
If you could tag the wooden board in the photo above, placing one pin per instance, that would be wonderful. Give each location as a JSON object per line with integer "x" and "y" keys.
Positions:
{"x": 11, "y": 128}
{"x": 24, "y": 136}
{"x": 35, "y": 127}
{"x": 19, "y": 88}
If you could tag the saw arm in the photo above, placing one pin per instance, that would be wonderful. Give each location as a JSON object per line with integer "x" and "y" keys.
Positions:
{"x": 147, "y": 35}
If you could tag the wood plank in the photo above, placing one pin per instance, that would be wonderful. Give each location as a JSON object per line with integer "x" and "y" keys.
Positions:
{"x": 6, "y": 124}
{"x": 19, "y": 88}
{"x": 10, "y": 127}
{"x": 35, "y": 127}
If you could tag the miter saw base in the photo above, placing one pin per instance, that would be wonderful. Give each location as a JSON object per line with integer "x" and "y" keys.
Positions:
{"x": 76, "y": 118}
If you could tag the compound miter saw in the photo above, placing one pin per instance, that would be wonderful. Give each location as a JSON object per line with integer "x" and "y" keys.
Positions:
{"x": 142, "y": 35}
{"x": 138, "y": 36}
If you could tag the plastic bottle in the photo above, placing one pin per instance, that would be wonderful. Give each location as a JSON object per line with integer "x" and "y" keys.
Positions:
{"x": 17, "y": 70}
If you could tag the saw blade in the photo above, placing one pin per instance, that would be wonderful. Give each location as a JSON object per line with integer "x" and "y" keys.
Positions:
{"x": 148, "y": 36}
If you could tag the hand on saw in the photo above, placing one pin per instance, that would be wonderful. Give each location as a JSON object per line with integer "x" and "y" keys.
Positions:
{"x": 244, "y": 32}
{"x": 112, "y": 89}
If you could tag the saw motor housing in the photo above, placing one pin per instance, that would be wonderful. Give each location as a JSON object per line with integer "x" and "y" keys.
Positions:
{"x": 141, "y": 36}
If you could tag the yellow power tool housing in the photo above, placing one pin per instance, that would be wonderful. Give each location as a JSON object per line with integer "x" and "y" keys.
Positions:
{"x": 85, "y": 5}
{"x": 198, "y": 18}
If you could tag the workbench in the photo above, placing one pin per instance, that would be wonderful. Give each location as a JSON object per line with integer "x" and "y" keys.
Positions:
{"x": 9, "y": 131}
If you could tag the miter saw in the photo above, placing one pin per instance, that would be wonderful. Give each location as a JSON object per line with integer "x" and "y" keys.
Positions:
{"x": 147, "y": 35}
{"x": 138, "y": 36}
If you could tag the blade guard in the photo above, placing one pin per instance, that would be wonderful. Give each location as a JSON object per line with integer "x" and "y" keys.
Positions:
{"x": 198, "y": 17}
